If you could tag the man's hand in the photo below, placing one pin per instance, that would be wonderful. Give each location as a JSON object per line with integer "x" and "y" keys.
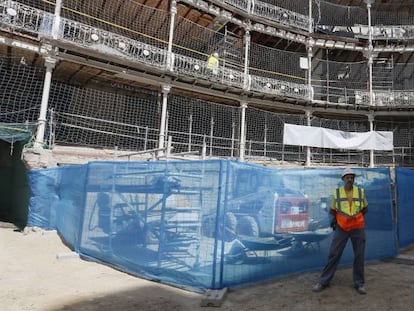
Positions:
{"x": 333, "y": 223}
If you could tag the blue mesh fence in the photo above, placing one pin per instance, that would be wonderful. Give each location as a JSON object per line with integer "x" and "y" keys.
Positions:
{"x": 205, "y": 224}
{"x": 405, "y": 199}
{"x": 56, "y": 200}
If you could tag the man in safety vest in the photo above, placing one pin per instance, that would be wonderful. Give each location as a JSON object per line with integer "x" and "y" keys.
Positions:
{"x": 213, "y": 63}
{"x": 349, "y": 206}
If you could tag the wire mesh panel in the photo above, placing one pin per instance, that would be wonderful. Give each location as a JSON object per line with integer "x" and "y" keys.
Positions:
{"x": 128, "y": 18}
{"x": 331, "y": 156}
{"x": 20, "y": 98}
{"x": 403, "y": 76}
{"x": 261, "y": 132}
{"x": 264, "y": 135}
{"x": 21, "y": 90}
{"x": 277, "y": 64}
{"x": 337, "y": 81}
{"x": 291, "y": 13}
{"x": 331, "y": 14}
{"x": 206, "y": 53}
{"x": 403, "y": 134}
{"x": 89, "y": 117}
{"x": 392, "y": 14}
{"x": 121, "y": 28}
{"x": 129, "y": 120}
{"x": 298, "y": 6}
{"x": 194, "y": 40}
{"x": 277, "y": 72}
{"x": 341, "y": 125}
{"x": 194, "y": 123}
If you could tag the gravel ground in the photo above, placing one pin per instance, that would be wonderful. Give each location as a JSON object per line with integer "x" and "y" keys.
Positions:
{"x": 33, "y": 277}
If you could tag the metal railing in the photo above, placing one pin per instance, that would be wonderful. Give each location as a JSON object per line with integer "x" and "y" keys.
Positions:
{"x": 33, "y": 20}
{"x": 18, "y": 16}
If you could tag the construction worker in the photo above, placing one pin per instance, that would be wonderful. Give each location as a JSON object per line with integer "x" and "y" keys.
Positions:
{"x": 213, "y": 63}
{"x": 348, "y": 207}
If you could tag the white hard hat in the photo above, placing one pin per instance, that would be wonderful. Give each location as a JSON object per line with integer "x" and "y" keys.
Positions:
{"x": 347, "y": 171}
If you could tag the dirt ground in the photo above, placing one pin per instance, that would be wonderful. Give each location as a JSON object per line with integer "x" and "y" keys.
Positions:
{"x": 33, "y": 277}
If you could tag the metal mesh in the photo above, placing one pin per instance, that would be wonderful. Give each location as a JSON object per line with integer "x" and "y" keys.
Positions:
{"x": 128, "y": 118}
{"x": 130, "y": 19}
{"x": 21, "y": 93}
{"x": 191, "y": 39}
{"x": 392, "y": 14}
{"x": 73, "y": 119}
{"x": 298, "y": 6}
{"x": 277, "y": 64}
{"x": 291, "y": 13}
{"x": 264, "y": 135}
{"x": 193, "y": 46}
{"x": 130, "y": 30}
{"x": 330, "y": 14}
{"x": 337, "y": 81}
{"x": 89, "y": 117}
{"x": 193, "y": 123}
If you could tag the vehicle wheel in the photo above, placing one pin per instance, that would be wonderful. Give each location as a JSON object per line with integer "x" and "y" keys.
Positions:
{"x": 247, "y": 225}
{"x": 236, "y": 254}
{"x": 230, "y": 223}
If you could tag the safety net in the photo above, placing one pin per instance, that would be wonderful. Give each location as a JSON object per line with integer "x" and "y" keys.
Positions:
{"x": 405, "y": 199}
{"x": 205, "y": 224}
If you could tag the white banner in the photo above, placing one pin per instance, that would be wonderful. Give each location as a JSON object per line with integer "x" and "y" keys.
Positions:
{"x": 309, "y": 136}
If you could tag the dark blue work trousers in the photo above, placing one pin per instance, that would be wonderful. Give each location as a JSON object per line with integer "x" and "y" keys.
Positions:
{"x": 339, "y": 240}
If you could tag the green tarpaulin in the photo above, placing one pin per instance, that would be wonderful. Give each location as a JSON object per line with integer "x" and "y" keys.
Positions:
{"x": 12, "y": 132}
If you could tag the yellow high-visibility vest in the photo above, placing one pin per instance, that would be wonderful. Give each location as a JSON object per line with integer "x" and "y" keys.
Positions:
{"x": 348, "y": 212}
{"x": 212, "y": 63}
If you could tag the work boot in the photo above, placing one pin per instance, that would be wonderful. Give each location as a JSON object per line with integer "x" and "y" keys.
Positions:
{"x": 361, "y": 289}
{"x": 318, "y": 287}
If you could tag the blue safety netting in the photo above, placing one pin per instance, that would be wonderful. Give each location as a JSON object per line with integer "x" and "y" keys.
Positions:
{"x": 205, "y": 224}
{"x": 405, "y": 198}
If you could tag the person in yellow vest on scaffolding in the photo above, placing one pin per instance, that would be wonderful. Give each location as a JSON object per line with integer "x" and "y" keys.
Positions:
{"x": 213, "y": 63}
{"x": 348, "y": 207}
